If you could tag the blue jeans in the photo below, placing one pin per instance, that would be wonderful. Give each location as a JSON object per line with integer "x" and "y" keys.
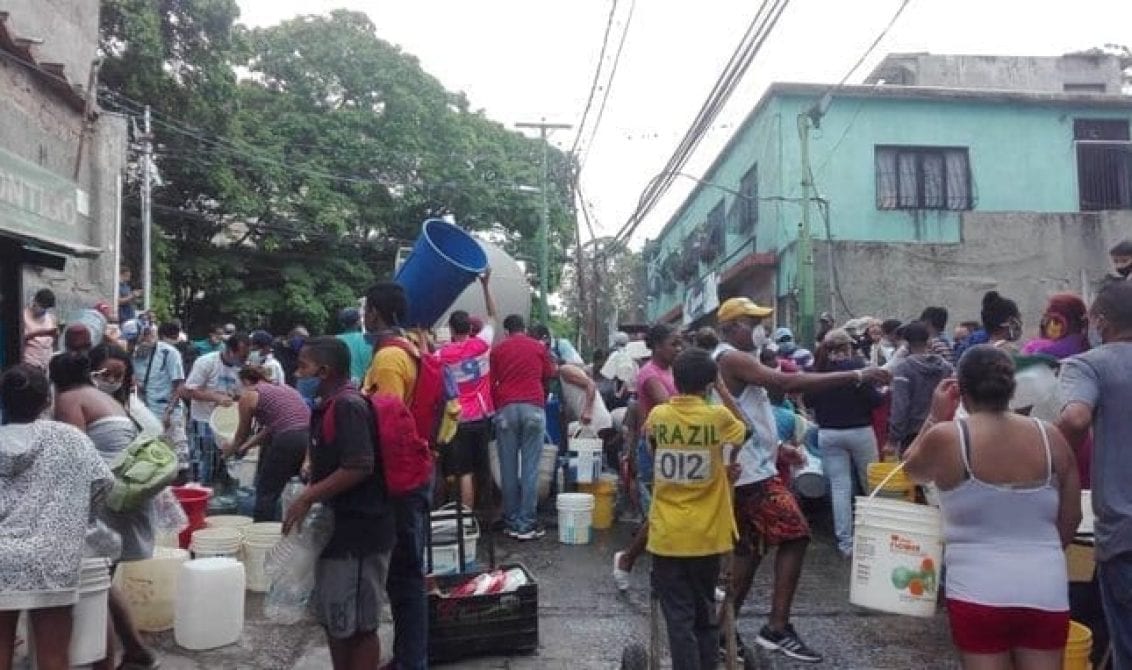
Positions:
{"x": 406, "y": 584}
{"x": 519, "y": 430}
{"x": 842, "y": 451}
{"x": 204, "y": 454}
{"x": 1116, "y": 596}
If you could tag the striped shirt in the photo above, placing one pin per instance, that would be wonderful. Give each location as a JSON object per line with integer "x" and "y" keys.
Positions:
{"x": 280, "y": 408}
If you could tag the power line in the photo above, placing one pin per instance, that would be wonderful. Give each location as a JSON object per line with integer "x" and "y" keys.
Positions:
{"x": 608, "y": 85}
{"x": 749, "y": 45}
{"x": 899, "y": 10}
{"x": 596, "y": 79}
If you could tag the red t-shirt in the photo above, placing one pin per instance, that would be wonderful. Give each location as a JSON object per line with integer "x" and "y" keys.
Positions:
{"x": 519, "y": 364}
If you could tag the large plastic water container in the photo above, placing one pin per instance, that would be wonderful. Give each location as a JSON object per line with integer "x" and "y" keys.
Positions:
{"x": 210, "y": 603}
{"x": 444, "y": 260}
{"x": 150, "y": 588}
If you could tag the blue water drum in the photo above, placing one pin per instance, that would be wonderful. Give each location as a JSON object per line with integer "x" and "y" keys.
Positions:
{"x": 445, "y": 259}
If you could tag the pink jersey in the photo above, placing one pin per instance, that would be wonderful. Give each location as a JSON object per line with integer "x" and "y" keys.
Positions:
{"x": 470, "y": 363}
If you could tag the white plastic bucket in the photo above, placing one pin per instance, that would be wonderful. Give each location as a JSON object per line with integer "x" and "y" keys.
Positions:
{"x": 575, "y": 517}
{"x": 224, "y": 421}
{"x": 244, "y": 469}
{"x": 809, "y": 480}
{"x": 897, "y": 555}
{"x": 88, "y": 632}
{"x": 150, "y": 588}
{"x": 263, "y": 530}
{"x": 231, "y": 521}
{"x": 255, "y": 557}
{"x": 585, "y": 454}
{"x": 223, "y": 542}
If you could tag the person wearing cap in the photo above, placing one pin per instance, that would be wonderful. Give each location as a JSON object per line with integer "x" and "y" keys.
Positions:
{"x": 765, "y": 510}
{"x": 468, "y": 358}
{"x": 41, "y": 330}
{"x": 361, "y": 351}
{"x": 263, "y": 356}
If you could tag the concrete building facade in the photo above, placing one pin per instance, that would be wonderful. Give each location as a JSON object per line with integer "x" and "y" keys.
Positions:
{"x": 1086, "y": 72}
{"x": 898, "y": 170}
{"x": 60, "y": 165}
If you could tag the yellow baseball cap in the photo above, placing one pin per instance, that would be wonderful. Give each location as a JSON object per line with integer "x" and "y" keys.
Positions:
{"x": 737, "y": 308}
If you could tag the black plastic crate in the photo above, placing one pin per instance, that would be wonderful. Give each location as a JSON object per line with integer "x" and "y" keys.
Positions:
{"x": 499, "y": 623}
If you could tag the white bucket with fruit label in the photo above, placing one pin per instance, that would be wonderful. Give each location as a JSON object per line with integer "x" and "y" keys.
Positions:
{"x": 897, "y": 555}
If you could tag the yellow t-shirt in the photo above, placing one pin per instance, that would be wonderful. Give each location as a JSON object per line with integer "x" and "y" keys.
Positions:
{"x": 391, "y": 371}
{"x": 691, "y": 511}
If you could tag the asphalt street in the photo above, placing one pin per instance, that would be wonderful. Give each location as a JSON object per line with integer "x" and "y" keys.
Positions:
{"x": 585, "y": 623}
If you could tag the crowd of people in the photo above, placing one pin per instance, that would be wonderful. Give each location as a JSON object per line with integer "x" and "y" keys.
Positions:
{"x": 705, "y": 427}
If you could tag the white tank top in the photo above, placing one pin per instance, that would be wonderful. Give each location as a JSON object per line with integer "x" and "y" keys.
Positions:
{"x": 759, "y": 454}
{"x": 1002, "y": 548}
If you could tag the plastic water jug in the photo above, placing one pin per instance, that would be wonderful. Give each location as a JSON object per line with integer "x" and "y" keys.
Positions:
{"x": 291, "y": 493}
{"x": 210, "y": 603}
{"x": 150, "y": 588}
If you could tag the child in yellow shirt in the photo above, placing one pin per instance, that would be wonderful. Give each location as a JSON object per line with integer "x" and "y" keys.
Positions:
{"x": 691, "y": 522}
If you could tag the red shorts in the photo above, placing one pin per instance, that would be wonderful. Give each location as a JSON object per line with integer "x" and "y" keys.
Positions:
{"x": 767, "y": 511}
{"x": 982, "y": 629}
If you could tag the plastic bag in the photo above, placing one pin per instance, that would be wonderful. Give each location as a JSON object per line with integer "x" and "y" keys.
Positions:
{"x": 290, "y": 567}
{"x": 169, "y": 517}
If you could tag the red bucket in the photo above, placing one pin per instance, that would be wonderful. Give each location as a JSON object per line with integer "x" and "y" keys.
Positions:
{"x": 194, "y": 500}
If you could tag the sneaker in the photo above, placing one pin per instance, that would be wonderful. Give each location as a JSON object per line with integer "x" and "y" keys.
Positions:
{"x": 788, "y": 643}
{"x": 620, "y": 577}
{"x": 535, "y": 533}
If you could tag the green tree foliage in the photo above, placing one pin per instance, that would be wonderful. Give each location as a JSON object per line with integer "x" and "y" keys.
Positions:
{"x": 288, "y": 188}
{"x": 614, "y": 286}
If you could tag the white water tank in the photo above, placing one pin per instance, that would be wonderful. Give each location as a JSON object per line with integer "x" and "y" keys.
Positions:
{"x": 210, "y": 603}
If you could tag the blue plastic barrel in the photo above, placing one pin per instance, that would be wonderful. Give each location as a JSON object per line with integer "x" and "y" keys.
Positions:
{"x": 445, "y": 259}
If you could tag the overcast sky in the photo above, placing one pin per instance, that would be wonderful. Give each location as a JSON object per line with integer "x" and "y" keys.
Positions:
{"x": 522, "y": 60}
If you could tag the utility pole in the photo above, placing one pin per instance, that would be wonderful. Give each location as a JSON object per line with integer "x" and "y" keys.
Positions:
{"x": 804, "y": 275}
{"x": 544, "y": 225}
{"x": 147, "y": 212}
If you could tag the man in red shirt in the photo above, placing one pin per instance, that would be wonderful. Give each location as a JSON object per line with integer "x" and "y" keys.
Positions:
{"x": 519, "y": 367}
{"x": 467, "y": 356}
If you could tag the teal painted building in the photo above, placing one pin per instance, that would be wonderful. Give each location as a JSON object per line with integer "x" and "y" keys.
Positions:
{"x": 891, "y": 165}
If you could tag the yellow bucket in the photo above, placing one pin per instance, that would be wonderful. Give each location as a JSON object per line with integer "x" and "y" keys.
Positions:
{"x": 899, "y": 487}
{"x": 605, "y": 493}
{"x": 1078, "y": 648}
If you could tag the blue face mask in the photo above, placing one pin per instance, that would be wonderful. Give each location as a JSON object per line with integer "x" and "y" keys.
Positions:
{"x": 308, "y": 388}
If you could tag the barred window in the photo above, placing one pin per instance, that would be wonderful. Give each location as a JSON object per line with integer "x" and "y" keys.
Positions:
{"x": 923, "y": 178}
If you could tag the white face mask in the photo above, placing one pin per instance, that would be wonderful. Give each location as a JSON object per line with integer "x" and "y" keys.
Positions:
{"x": 109, "y": 388}
{"x": 759, "y": 336}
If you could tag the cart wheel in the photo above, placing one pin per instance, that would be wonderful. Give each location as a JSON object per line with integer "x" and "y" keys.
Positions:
{"x": 635, "y": 657}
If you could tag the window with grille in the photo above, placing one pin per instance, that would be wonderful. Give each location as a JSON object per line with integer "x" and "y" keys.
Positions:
{"x": 1104, "y": 163}
{"x": 923, "y": 178}
{"x": 746, "y": 203}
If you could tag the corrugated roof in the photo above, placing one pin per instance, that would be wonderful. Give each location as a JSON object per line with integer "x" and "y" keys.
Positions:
{"x": 53, "y": 75}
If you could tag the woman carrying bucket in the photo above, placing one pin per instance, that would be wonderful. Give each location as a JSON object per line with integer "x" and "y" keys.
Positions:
{"x": 1011, "y": 501}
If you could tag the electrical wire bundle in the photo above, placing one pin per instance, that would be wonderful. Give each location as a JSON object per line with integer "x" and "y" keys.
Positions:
{"x": 749, "y": 46}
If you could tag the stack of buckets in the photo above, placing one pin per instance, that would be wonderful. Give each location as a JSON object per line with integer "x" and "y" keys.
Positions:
{"x": 897, "y": 551}
{"x": 604, "y": 491}
{"x": 259, "y": 540}
{"x": 887, "y": 480}
{"x": 217, "y": 543}
{"x": 194, "y": 500}
{"x": 1078, "y": 648}
{"x": 575, "y": 517}
{"x": 88, "y": 634}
